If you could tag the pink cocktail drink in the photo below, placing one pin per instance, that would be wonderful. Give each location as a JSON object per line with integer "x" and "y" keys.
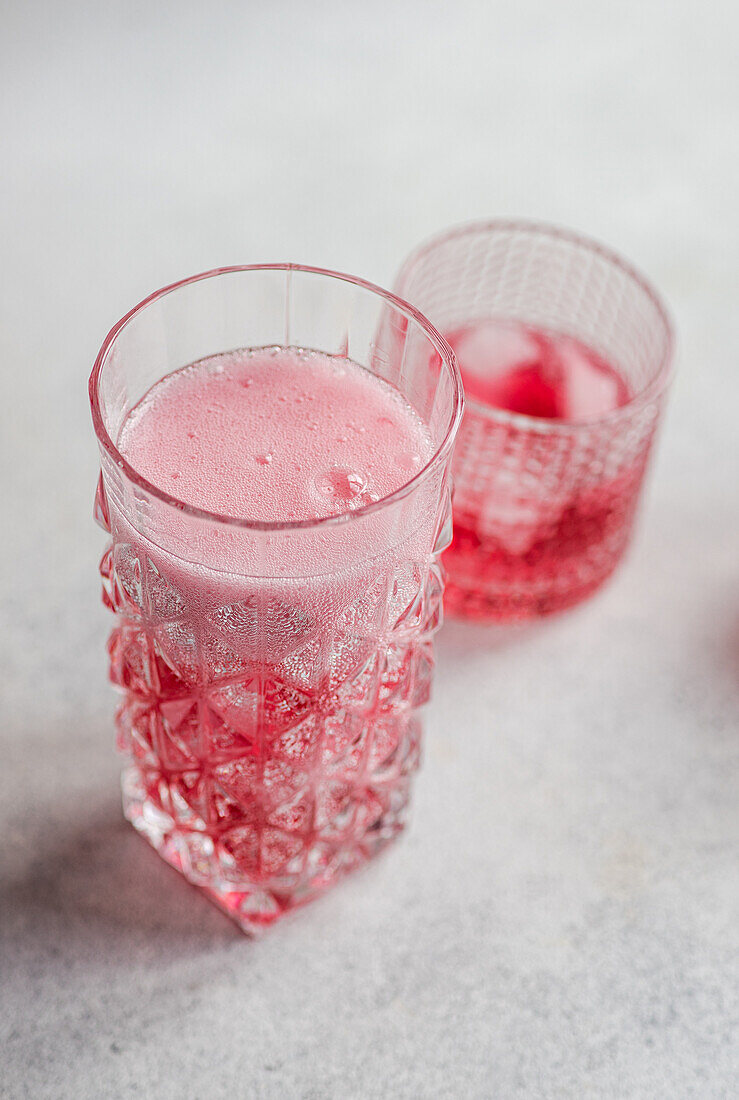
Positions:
{"x": 564, "y": 354}
{"x": 274, "y": 572}
{"x": 512, "y": 536}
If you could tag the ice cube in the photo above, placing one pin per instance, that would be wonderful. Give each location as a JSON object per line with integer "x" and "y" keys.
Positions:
{"x": 514, "y": 521}
{"x": 591, "y": 387}
{"x": 492, "y": 347}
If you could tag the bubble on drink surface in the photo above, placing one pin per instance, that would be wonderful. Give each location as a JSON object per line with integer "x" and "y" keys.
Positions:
{"x": 265, "y": 459}
{"x": 343, "y": 488}
{"x": 340, "y": 484}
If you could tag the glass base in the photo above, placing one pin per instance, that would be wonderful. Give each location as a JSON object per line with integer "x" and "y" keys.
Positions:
{"x": 509, "y": 605}
{"x": 257, "y": 903}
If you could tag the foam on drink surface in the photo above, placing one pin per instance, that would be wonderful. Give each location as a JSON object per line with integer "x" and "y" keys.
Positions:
{"x": 275, "y": 434}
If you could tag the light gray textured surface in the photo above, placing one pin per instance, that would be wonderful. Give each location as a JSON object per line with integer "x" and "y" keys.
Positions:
{"x": 561, "y": 920}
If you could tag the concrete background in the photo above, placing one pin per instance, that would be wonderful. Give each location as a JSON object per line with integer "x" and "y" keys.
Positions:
{"x": 561, "y": 920}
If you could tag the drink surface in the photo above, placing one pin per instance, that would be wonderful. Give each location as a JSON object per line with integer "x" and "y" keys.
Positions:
{"x": 543, "y": 374}
{"x": 275, "y": 434}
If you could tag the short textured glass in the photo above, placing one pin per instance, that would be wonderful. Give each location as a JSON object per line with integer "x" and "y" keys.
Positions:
{"x": 543, "y": 507}
{"x": 269, "y": 716}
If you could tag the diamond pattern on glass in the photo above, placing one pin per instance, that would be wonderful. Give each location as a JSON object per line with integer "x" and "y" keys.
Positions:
{"x": 268, "y": 757}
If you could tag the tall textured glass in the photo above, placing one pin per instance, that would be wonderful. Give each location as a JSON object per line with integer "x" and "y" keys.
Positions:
{"x": 543, "y": 508}
{"x": 271, "y": 673}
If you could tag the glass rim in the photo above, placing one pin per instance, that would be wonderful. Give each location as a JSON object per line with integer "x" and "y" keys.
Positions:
{"x": 437, "y": 341}
{"x": 665, "y": 367}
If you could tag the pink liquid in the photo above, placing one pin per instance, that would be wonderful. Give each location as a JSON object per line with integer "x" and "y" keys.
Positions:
{"x": 268, "y": 702}
{"x": 534, "y": 529}
{"x": 270, "y": 435}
